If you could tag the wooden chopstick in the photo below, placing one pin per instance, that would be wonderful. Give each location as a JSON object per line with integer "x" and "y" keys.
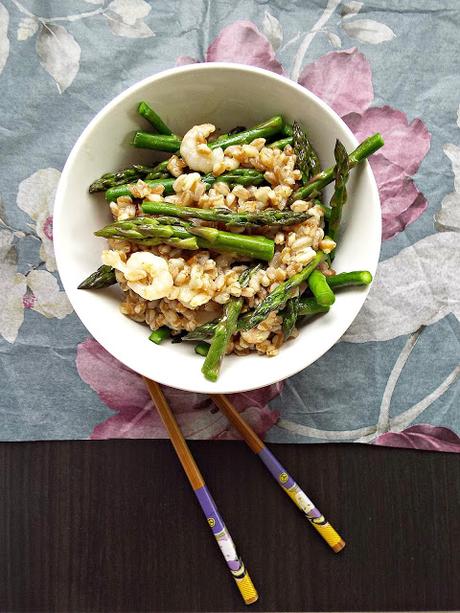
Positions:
{"x": 280, "y": 474}
{"x": 214, "y": 519}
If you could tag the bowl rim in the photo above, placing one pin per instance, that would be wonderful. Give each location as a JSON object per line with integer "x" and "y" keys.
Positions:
{"x": 203, "y": 386}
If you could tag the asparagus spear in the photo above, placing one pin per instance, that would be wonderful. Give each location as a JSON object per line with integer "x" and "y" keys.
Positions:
{"x": 289, "y": 315}
{"x": 268, "y": 217}
{"x": 158, "y": 142}
{"x": 224, "y": 330}
{"x": 148, "y": 113}
{"x": 242, "y": 176}
{"x": 113, "y": 193}
{"x": 148, "y": 231}
{"x": 287, "y": 129}
{"x": 307, "y": 158}
{"x": 307, "y": 307}
{"x": 202, "y": 348}
{"x": 127, "y": 175}
{"x": 280, "y": 294}
{"x": 344, "y": 279}
{"x": 104, "y": 276}
{"x": 316, "y": 184}
{"x": 339, "y": 196}
{"x": 172, "y": 143}
{"x": 159, "y": 335}
{"x": 320, "y": 289}
{"x": 222, "y": 335}
{"x": 281, "y": 144}
{"x": 202, "y": 332}
{"x": 262, "y": 130}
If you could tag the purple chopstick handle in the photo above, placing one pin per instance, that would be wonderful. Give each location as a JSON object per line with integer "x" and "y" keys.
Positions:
{"x": 288, "y": 484}
{"x": 221, "y": 534}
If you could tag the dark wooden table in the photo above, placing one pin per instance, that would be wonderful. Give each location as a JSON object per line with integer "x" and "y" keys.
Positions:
{"x": 113, "y": 526}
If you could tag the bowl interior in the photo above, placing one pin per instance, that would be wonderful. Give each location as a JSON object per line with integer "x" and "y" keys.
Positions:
{"x": 226, "y": 95}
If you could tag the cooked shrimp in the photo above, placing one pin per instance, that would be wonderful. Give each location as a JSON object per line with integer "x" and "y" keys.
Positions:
{"x": 195, "y": 151}
{"x": 146, "y": 273}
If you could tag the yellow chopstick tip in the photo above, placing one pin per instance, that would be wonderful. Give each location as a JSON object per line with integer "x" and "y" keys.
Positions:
{"x": 338, "y": 546}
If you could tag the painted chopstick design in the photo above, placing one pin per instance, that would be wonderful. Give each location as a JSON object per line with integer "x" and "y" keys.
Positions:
{"x": 214, "y": 519}
{"x": 280, "y": 474}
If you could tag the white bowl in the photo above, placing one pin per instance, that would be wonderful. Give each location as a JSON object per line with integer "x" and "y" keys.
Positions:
{"x": 226, "y": 95}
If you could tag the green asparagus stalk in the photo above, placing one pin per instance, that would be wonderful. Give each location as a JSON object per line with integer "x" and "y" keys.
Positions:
{"x": 289, "y": 315}
{"x": 262, "y": 130}
{"x": 339, "y": 196}
{"x": 320, "y": 289}
{"x": 309, "y": 307}
{"x": 242, "y": 176}
{"x": 202, "y": 348}
{"x": 148, "y": 231}
{"x": 201, "y": 333}
{"x": 316, "y": 184}
{"x": 148, "y": 113}
{"x": 268, "y": 217}
{"x": 127, "y": 175}
{"x": 280, "y": 294}
{"x": 222, "y": 335}
{"x": 306, "y": 308}
{"x": 158, "y": 142}
{"x": 104, "y": 276}
{"x": 307, "y": 158}
{"x": 224, "y": 330}
{"x": 159, "y": 335}
{"x": 287, "y": 129}
{"x": 172, "y": 143}
{"x": 113, "y": 193}
{"x": 281, "y": 144}
{"x": 344, "y": 279}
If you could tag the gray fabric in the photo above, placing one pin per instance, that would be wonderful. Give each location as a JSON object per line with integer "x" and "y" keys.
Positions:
{"x": 61, "y": 62}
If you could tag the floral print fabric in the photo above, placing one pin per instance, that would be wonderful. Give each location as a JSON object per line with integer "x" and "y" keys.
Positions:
{"x": 393, "y": 379}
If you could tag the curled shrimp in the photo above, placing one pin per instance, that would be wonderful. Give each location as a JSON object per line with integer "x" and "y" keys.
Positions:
{"x": 146, "y": 273}
{"x": 195, "y": 151}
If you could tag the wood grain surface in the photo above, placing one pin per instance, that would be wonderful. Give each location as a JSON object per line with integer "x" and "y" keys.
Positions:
{"x": 113, "y": 526}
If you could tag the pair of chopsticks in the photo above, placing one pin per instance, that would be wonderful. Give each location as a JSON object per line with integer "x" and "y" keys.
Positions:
{"x": 215, "y": 521}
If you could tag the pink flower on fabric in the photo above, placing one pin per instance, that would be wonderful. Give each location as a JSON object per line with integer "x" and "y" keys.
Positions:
{"x": 124, "y": 392}
{"x": 423, "y": 436}
{"x": 344, "y": 80}
{"x": 241, "y": 42}
{"x": 406, "y": 144}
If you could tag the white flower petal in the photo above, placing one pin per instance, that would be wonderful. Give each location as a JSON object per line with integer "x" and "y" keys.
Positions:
{"x": 419, "y": 286}
{"x": 12, "y": 289}
{"x": 334, "y": 40}
{"x": 4, "y": 42}
{"x": 27, "y": 27}
{"x": 448, "y": 217}
{"x": 130, "y": 10}
{"x": 368, "y": 31}
{"x": 59, "y": 54}
{"x": 138, "y": 30}
{"x": 272, "y": 30}
{"x": 49, "y": 300}
{"x": 351, "y": 8}
{"x": 36, "y": 198}
{"x": 36, "y": 193}
{"x": 453, "y": 153}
